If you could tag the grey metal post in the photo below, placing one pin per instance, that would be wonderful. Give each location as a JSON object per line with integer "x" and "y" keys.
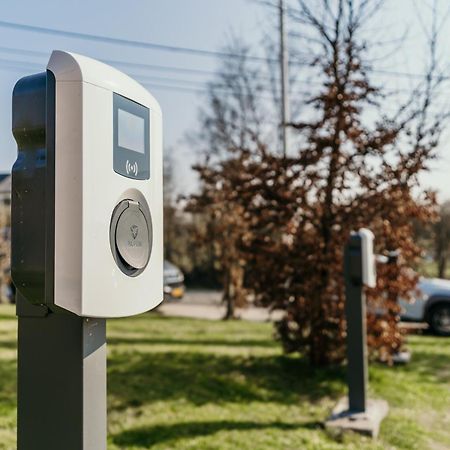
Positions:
{"x": 355, "y": 312}
{"x": 61, "y": 380}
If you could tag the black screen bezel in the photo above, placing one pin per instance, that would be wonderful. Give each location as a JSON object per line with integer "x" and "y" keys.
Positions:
{"x": 126, "y": 160}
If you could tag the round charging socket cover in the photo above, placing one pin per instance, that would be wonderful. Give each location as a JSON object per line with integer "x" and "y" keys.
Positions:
{"x": 131, "y": 237}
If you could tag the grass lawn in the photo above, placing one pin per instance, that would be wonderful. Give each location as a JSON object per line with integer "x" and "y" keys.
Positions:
{"x": 194, "y": 384}
{"x": 429, "y": 269}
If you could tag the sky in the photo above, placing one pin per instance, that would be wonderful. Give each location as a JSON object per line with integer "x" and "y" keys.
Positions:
{"x": 202, "y": 24}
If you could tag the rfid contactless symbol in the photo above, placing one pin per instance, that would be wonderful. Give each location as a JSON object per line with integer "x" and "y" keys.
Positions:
{"x": 132, "y": 168}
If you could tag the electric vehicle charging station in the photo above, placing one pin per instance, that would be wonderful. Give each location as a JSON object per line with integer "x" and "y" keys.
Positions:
{"x": 357, "y": 412}
{"x": 368, "y": 259}
{"x": 87, "y": 238}
{"x": 360, "y": 271}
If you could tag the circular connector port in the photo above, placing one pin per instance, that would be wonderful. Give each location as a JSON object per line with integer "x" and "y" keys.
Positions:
{"x": 130, "y": 237}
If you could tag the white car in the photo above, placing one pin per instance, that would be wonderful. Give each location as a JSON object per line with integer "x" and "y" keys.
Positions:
{"x": 431, "y": 306}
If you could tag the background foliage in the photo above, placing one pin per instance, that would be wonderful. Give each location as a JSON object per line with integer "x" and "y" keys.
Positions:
{"x": 279, "y": 223}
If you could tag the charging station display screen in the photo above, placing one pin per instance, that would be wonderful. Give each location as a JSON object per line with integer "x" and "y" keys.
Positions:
{"x": 131, "y": 148}
{"x": 131, "y": 131}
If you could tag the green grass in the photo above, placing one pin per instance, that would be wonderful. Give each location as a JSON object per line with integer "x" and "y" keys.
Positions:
{"x": 429, "y": 269}
{"x": 193, "y": 384}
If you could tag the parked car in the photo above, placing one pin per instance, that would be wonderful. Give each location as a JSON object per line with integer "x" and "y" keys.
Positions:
{"x": 173, "y": 281}
{"x": 431, "y": 306}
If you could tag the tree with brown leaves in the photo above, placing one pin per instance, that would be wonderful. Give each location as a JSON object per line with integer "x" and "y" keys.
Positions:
{"x": 355, "y": 166}
{"x": 353, "y": 172}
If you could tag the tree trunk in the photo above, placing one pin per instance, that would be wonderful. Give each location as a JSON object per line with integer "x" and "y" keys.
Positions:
{"x": 442, "y": 265}
{"x": 228, "y": 296}
{"x": 441, "y": 249}
{"x": 230, "y": 311}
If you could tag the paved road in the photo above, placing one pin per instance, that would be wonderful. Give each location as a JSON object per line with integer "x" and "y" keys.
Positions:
{"x": 204, "y": 304}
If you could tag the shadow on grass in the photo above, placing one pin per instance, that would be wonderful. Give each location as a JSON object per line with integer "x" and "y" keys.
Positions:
{"x": 202, "y": 342}
{"x": 7, "y": 317}
{"x": 434, "y": 367}
{"x": 11, "y": 345}
{"x": 8, "y": 385}
{"x": 150, "y": 436}
{"x": 138, "y": 378}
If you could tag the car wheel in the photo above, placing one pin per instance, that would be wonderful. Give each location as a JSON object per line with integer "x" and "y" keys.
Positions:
{"x": 439, "y": 319}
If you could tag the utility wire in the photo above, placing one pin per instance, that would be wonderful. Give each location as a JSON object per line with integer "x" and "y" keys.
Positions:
{"x": 174, "y": 48}
{"x": 166, "y": 84}
{"x": 169, "y": 69}
{"x": 130, "y": 42}
{"x": 143, "y": 66}
{"x": 143, "y": 79}
{"x": 194, "y": 85}
{"x": 149, "y": 81}
{"x": 158, "y": 86}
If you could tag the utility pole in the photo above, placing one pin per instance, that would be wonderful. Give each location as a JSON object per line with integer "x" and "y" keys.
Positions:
{"x": 284, "y": 72}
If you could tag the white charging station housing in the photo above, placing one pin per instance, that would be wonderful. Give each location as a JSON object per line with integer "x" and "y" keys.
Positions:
{"x": 369, "y": 275}
{"x": 108, "y": 159}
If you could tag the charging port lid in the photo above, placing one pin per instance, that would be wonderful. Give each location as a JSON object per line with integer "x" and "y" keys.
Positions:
{"x": 131, "y": 237}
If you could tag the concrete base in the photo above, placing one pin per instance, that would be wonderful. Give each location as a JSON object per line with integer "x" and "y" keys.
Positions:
{"x": 403, "y": 357}
{"x": 367, "y": 423}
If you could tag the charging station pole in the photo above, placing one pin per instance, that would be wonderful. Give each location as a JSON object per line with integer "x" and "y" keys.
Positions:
{"x": 61, "y": 380}
{"x": 355, "y": 312}
{"x": 356, "y": 412}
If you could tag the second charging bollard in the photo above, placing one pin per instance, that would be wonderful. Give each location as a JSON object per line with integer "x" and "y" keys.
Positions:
{"x": 357, "y": 412}
{"x": 355, "y": 312}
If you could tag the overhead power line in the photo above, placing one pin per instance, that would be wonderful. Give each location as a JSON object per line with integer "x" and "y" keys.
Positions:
{"x": 142, "y": 78}
{"x": 20, "y": 66}
{"x": 204, "y": 86}
{"x": 130, "y": 42}
{"x": 143, "y": 66}
{"x": 153, "y": 67}
{"x": 174, "y": 48}
{"x": 190, "y": 86}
